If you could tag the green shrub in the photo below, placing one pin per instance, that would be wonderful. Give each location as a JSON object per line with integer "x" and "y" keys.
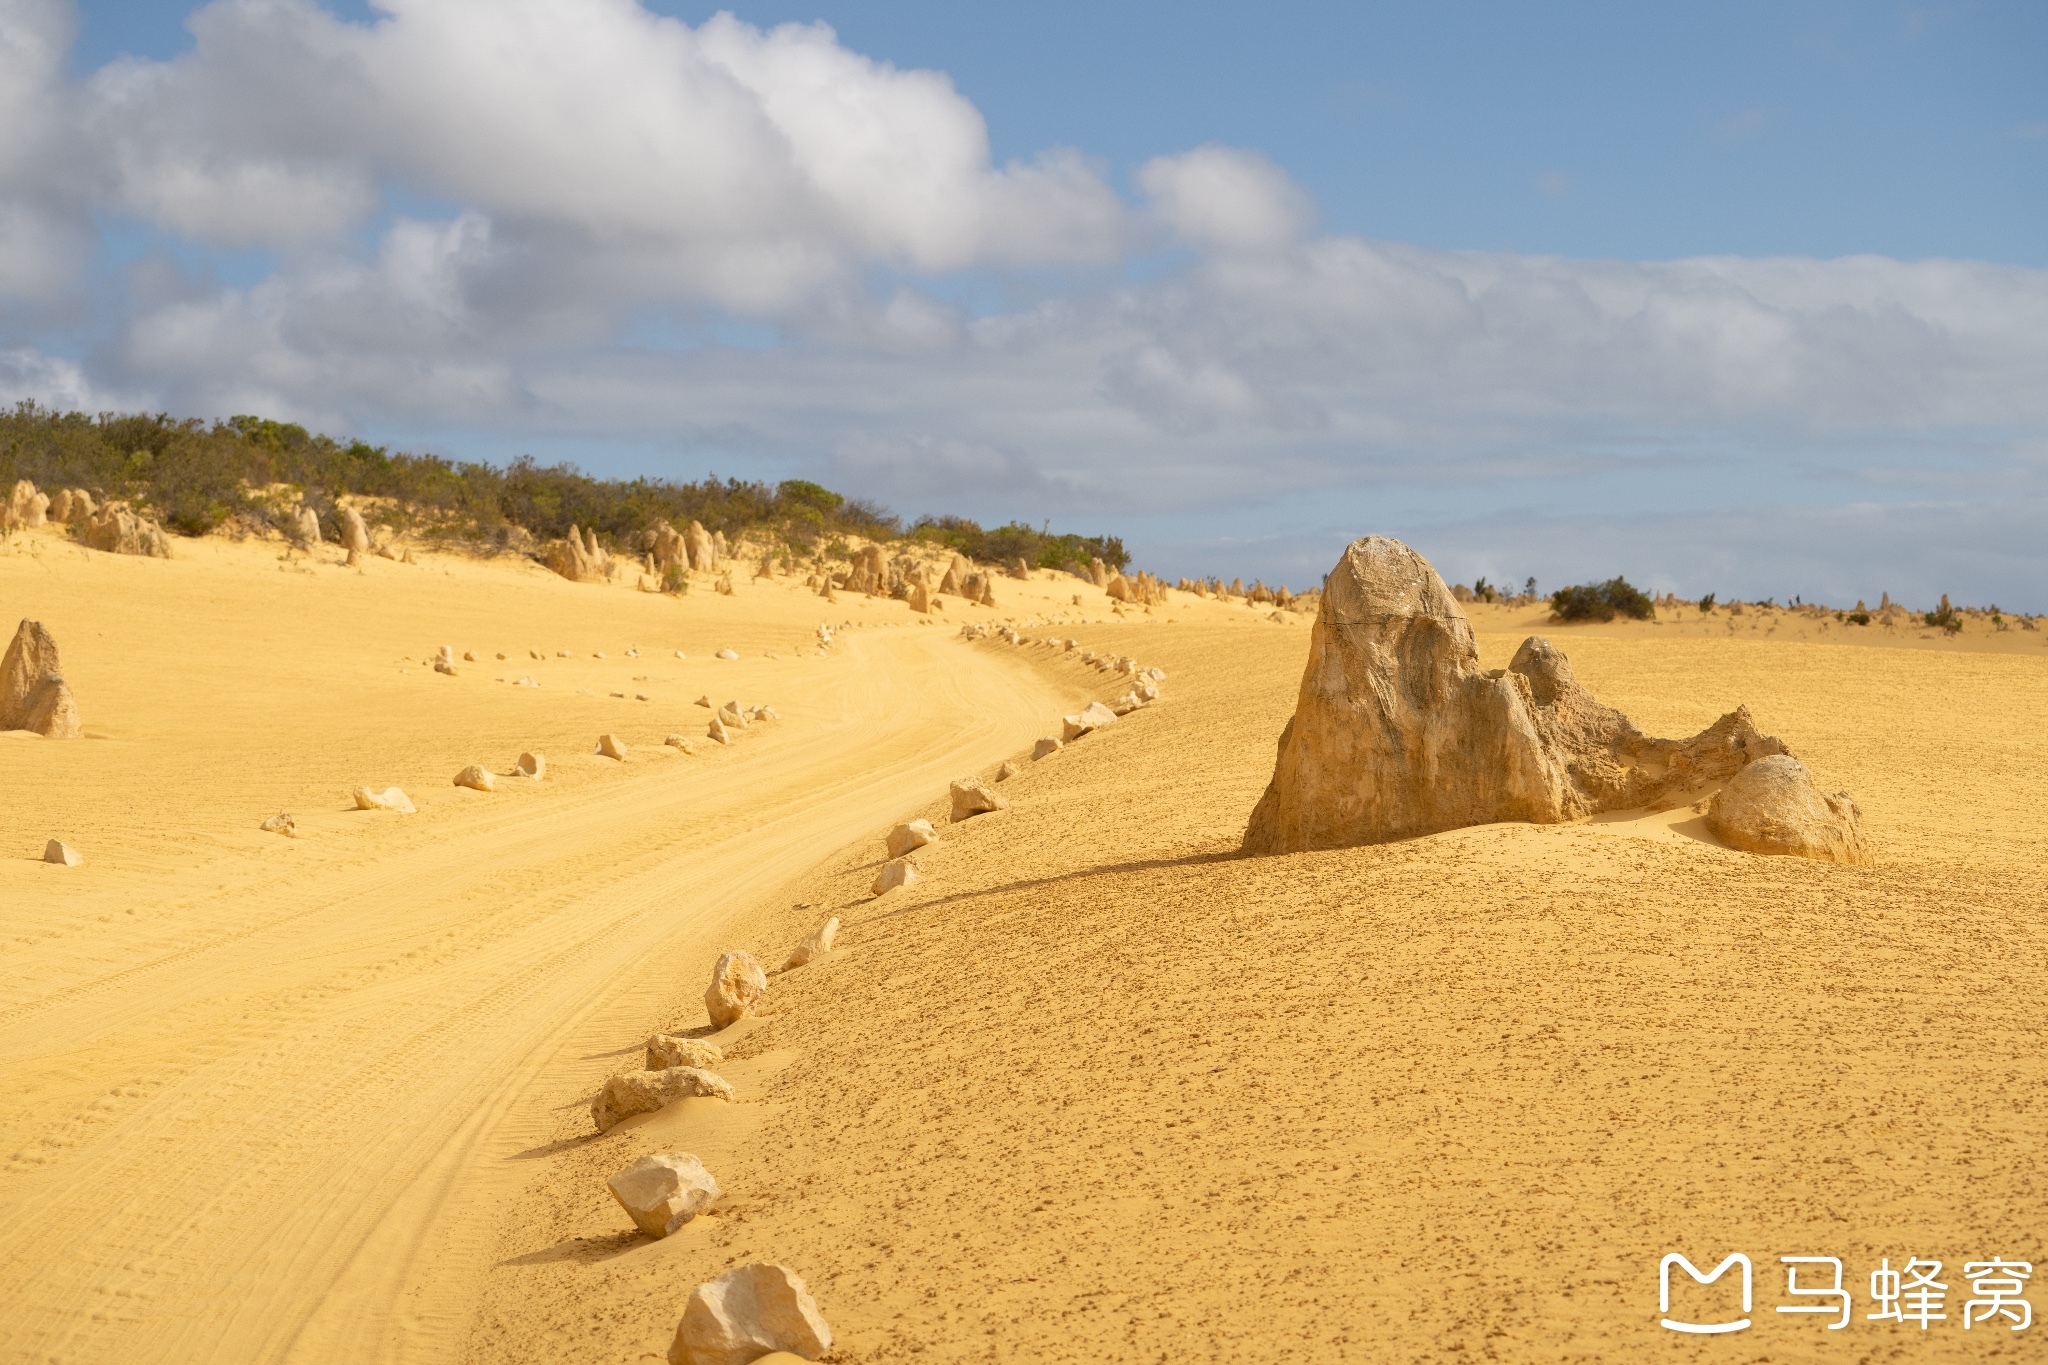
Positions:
{"x": 1707, "y": 603}
{"x": 1859, "y": 618}
{"x": 1601, "y": 602}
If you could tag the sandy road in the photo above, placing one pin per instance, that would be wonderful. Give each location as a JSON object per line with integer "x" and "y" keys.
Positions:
{"x": 282, "y": 1135}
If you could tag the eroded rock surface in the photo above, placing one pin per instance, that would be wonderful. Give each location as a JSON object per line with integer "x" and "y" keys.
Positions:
{"x": 661, "y": 1193}
{"x": 909, "y": 837}
{"x": 972, "y": 797}
{"x": 737, "y": 985}
{"x": 33, "y": 693}
{"x": 1772, "y": 806}
{"x": 746, "y": 1313}
{"x": 1398, "y": 731}
{"x": 644, "y": 1092}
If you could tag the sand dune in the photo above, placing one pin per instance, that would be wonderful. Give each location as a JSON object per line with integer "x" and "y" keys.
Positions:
{"x": 1095, "y": 1089}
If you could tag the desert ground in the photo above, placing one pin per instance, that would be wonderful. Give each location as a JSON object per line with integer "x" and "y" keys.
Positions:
{"x": 1096, "y": 1089}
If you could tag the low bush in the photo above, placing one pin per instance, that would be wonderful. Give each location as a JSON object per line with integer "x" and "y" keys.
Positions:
{"x": 1601, "y": 602}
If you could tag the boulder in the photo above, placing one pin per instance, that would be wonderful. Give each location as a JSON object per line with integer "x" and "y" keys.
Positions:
{"x": 814, "y": 947}
{"x": 1098, "y": 573}
{"x": 281, "y": 823}
{"x": 534, "y": 766}
{"x": 727, "y": 654}
{"x": 648, "y": 1092}
{"x": 1091, "y": 717}
{"x": 62, "y": 854}
{"x": 1398, "y": 732}
{"x": 748, "y": 1312}
{"x": 611, "y": 746}
{"x": 951, "y": 581}
{"x": 661, "y": 1193}
{"x": 306, "y": 527}
{"x": 734, "y": 715}
{"x": 920, "y": 600}
{"x": 1047, "y": 745}
{"x": 33, "y": 693}
{"x": 678, "y": 742}
{"x": 580, "y": 559}
{"x": 971, "y": 797}
{"x": 908, "y": 838}
{"x": 476, "y": 779}
{"x": 1006, "y": 772}
{"x": 80, "y": 509}
{"x": 737, "y": 985}
{"x": 391, "y": 798}
{"x": 716, "y": 732}
{"x": 667, "y": 546}
{"x": 118, "y": 531}
{"x": 665, "y": 1050}
{"x": 894, "y": 873}
{"x": 1772, "y": 806}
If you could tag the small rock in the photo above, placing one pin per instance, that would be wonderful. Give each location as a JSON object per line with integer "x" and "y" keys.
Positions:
{"x": 704, "y": 702}
{"x": 526, "y": 682}
{"x": 737, "y": 985}
{"x": 597, "y": 654}
{"x": 678, "y": 742}
{"x": 732, "y": 715}
{"x": 563, "y": 654}
{"x": 646, "y": 1092}
{"x": 971, "y": 797}
{"x": 908, "y": 838}
{"x": 814, "y": 947}
{"x": 661, "y": 1193}
{"x": 681, "y": 655}
{"x": 501, "y": 655}
{"x": 443, "y": 666}
{"x": 534, "y": 766}
{"x": 62, "y": 854}
{"x": 391, "y": 798}
{"x": 1772, "y": 806}
{"x": 281, "y": 824}
{"x": 717, "y": 732}
{"x": 728, "y": 654}
{"x": 665, "y": 1050}
{"x": 1006, "y": 772}
{"x": 1091, "y": 717}
{"x": 476, "y": 779}
{"x": 611, "y": 746}
{"x": 1047, "y": 745}
{"x": 746, "y": 1313}
{"x": 896, "y": 872}
{"x": 469, "y": 656}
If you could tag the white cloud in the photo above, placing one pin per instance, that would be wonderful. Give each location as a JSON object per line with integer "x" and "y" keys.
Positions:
{"x": 1223, "y": 198}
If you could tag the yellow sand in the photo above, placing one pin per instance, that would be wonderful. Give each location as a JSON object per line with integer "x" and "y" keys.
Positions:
{"x": 1095, "y": 1090}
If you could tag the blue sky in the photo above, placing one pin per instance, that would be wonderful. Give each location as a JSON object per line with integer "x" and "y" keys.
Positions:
{"x": 1737, "y": 297}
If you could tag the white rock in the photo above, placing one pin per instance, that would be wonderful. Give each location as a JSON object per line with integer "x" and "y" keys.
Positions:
{"x": 665, "y": 1050}
{"x": 972, "y": 797}
{"x": 1006, "y": 772}
{"x": 896, "y": 872}
{"x": 716, "y": 732}
{"x": 816, "y": 946}
{"x": 391, "y": 798}
{"x": 1091, "y": 717}
{"x": 678, "y": 742}
{"x": 476, "y": 779}
{"x": 62, "y": 854}
{"x": 526, "y": 682}
{"x": 661, "y": 1193}
{"x": 737, "y": 985}
{"x": 1047, "y": 745}
{"x": 534, "y": 766}
{"x": 645, "y": 1092}
{"x": 611, "y": 746}
{"x": 733, "y": 716}
{"x": 728, "y": 654}
{"x": 908, "y": 838}
{"x": 746, "y": 1313}
{"x": 281, "y": 824}
{"x": 1772, "y": 806}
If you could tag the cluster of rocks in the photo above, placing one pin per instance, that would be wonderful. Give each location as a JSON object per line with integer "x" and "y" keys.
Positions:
{"x": 1141, "y": 589}
{"x": 1399, "y": 732}
{"x": 113, "y": 527}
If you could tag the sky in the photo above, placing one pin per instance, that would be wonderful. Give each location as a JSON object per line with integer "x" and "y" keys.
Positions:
{"x": 1744, "y": 298}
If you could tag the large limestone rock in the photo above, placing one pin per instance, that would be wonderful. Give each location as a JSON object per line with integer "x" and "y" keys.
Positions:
{"x": 746, "y": 1313}
{"x": 909, "y": 837}
{"x": 391, "y": 798}
{"x": 661, "y": 1193}
{"x": 476, "y": 778}
{"x": 894, "y": 873}
{"x": 1088, "y": 719}
{"x": 698, "y": 547}
{"x": 669, "y": 547}
{"x": 646, "y": 1092}
{"x": 24, "y": 509}
{"x": 972, "y": 797}
{"x": 33, "y": 693}
{"x": 1772, "y": 806}
{"x": 666, "y": 1050}
{"x": 355, "y": 536}
{"x": 64, "y": 855}
{"x": 118, "y": 531}
{"x": 1398, "y": 732}
{"x": 306, "y": 527}
{"x": 580, "y": 559}
{"x": 737, "y": 985}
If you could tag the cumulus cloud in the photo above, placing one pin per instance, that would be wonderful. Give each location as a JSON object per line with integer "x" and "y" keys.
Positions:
{"x": 550, "y": 219}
